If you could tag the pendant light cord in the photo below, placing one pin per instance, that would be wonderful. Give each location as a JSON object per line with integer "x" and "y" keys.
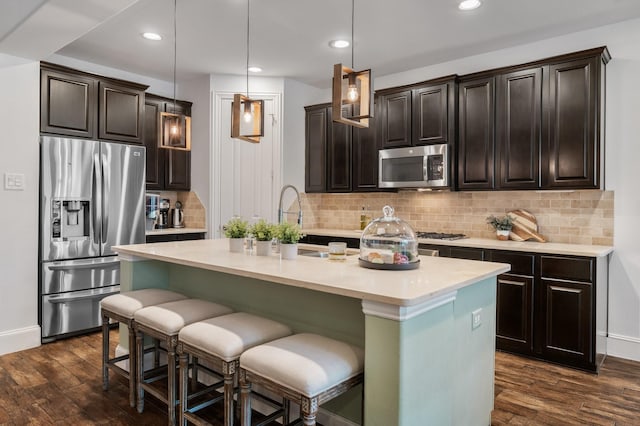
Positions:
{"x": 248, "y": 15}
{"x": 175, "y": 50}
{"x": 352, "y": 24}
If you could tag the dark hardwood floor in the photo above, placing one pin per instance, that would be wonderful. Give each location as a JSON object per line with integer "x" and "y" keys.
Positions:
{"x": 60, "y": 383}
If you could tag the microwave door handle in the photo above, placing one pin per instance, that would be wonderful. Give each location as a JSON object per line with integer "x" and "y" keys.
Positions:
{"x": 96, "y": 199}
{"x": 425, "y": 168}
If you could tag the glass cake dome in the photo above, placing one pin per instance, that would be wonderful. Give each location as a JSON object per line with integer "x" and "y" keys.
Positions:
{"x": 389, "y": 243}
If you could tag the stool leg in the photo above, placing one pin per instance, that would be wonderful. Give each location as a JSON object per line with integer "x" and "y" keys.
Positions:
{"x": 309, "y": 411}
{"x": 194, "y": 373}
{"x": 133, "y": 365}
{"x": 105, "y": 352}
{"x": 156, "y": 353}
{"x": 184, "y": 380}
{"x": 229, "y": 371}
{"x": 171, "y": 376}
{"x": 286, "y": 405}
{"x": 245, "y": 400}
{"x": 140, "y": 369}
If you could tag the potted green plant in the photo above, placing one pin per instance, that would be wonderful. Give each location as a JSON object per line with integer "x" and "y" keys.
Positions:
{"x": 502, "y": 225}
{"x": 263, "y": 232}
{"x": 236, "y": 230}
{"x": 288, "y": 234}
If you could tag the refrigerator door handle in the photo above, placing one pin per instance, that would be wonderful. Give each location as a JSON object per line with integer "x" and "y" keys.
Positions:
{"x": 70, "y": 267}
{"x": 85, "y": 295}
{"x": 105, "y": 190}
{"x": 97, "y": 199}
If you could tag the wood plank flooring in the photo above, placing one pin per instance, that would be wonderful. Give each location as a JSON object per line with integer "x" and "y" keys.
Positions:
{"x": 60, "y": 384}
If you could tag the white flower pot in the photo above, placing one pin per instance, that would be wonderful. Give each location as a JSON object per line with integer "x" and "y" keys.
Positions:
{"x": 502, "y": 234}
{"x": 288, "y": 251}
{"x": 236, "y": 245}
{"x": 263, "y": 248}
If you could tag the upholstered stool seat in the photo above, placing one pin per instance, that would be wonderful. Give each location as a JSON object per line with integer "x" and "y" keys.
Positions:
{"x": 121, "y": 307}
{"x": 306, "y": 368}
{"x": 164, "y": 322}
{"x": 221, "y": 341}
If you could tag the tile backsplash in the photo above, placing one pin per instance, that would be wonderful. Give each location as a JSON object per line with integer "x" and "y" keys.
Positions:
{"x": 194, "y": 213}
{"x": 579, "y": 217}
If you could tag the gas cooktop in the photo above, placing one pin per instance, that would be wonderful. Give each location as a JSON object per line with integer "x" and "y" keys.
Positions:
{"x": 440, "y": 235}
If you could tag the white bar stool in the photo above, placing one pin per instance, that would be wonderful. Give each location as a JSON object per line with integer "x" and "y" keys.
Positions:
{"x": 221, "y": 341}
{"x": 164, "y": 322}
{"x": 121, "y": 307}
{"x": 305, "y": 368}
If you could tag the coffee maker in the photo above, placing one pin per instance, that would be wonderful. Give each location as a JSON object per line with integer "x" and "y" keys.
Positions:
{"x": 177, "y": 215}
{"x": 162, "y": 220}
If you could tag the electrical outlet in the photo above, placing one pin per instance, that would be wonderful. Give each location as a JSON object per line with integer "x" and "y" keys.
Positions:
{"x": 476, "y": 318}
{"x": 14, "y": 181}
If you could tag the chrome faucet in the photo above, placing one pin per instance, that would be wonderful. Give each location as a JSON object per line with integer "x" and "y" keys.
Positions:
{"x": 281, "y": 213}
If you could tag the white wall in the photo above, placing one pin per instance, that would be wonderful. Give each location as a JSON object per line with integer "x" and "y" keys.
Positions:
{"x": 19, "y": 121}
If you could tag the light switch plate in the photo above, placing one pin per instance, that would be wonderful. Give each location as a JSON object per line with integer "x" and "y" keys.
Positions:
{"x": 14, "y": 181}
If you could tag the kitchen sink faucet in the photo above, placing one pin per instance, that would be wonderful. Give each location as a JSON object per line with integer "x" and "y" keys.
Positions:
{"x": 282, "y": 213}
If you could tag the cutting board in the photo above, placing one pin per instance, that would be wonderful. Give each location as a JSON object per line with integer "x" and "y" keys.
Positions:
{"x": 525, "y": 226}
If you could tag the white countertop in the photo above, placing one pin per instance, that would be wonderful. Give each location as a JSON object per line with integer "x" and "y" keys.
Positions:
{"x": 486, "y": 243}
{"x": 170, "y": 231}
{"x": 436, "y": 276}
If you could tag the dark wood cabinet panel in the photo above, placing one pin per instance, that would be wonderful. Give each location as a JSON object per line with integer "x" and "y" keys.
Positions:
{"x": 518, "y": 129}
{"x": 566, "y": 318}
{"x": 316, "y": 126}
{"x": 476, "y": 134}
{"x": 323, "y": 240}
{"x": 395, "y": 111}
{"x": 571, "y": 153}
{"x": 514, "y": 313}
{"x": 121, "y": 112}
{"x": 467, "y": 253}
{"x": 162, "y": 238}
{"x": 166, "y": 168}
{"x": 364, "y": 171}
{"x": 430, "y": 114}
{"x": 567, "y": 268}
{"x": 68, "y": 103}
{"x": 155, "y": 157}
{"x": 339, "y": 155}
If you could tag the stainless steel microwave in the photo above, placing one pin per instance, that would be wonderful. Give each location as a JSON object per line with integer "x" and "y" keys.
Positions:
{"x": 415, "y": 167}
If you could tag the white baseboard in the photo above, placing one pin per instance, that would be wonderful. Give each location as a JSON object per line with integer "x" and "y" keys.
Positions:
{"x": 623, "y": 346}
{"x": 19, "y": 339}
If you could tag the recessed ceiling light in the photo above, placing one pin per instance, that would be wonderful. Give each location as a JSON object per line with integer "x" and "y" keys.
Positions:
{"x": 339, "y": 44}
{"x": 469, "y": 4}
{"x": 152, "y": 36}
{"x": 254, "y": 69}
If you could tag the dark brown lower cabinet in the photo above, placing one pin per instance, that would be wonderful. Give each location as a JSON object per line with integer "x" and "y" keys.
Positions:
{"x": 514, "y": 313}
{"x": 162, "y": 238}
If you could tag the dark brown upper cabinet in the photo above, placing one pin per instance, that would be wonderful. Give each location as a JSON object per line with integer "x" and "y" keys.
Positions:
{"x": 167, "y": 169}
{"x": 395, "y": 117}
{"x": 339, "y": 155}
{"x": 316, "y": 136}
{"x": 518, "y": 129}
{"x": 476, "y": 133}
{"x": 121, "y": 113}
{"x": 74, "y": 103}
{"x": 547, "y": 121}
{"x": 420, "y": 114}
{"x": 364, "y": 172}
{"x": 571, "y": 152}
{"x": 68, "y": 103}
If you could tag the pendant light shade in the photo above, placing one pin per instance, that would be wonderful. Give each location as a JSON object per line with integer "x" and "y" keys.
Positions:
{"x": 352, "y": 99}
{"x": 247, "y": 115}
{"x": 176, "y": 128}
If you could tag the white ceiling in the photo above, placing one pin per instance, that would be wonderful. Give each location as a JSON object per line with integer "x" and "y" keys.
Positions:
{"x": 289, "y": 38}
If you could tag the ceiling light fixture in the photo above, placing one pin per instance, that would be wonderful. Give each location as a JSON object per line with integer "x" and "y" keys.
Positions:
{"x": 469, "y": 4}
{"x": 352, "y": 100}
{"x": 152, "y": 36}
{"x": 251, "y": 127}
{"x": 254, "y": 69}
{"x": 339, "y": 44}
{"x": 176, "y": 128}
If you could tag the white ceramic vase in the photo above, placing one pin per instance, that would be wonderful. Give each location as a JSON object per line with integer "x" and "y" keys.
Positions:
{"x": 503, "y": 234}
{"x": 263, "y": 248}
{"x": 236, "y": 245}
{"x": 288, "y": 251}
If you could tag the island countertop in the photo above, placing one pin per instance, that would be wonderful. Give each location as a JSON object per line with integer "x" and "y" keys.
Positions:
{"x": 435, "y": 276}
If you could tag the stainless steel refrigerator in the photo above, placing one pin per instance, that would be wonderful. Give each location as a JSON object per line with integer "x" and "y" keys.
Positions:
{"x": 91, "y": 198}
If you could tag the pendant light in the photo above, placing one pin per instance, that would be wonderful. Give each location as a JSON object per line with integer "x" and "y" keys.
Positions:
{"x": 247, "y": 115}
{"x": 176, "y": 128}
{"x": 352, "y": 100}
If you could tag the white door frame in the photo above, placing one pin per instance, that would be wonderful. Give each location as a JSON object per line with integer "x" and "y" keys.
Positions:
{"x": 215, "y": 153}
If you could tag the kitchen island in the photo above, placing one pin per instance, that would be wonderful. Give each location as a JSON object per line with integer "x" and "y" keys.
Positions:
{"x": 425, "y": 360}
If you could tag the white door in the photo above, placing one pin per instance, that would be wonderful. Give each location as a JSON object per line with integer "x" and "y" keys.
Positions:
{"x": 247, "y": 174}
